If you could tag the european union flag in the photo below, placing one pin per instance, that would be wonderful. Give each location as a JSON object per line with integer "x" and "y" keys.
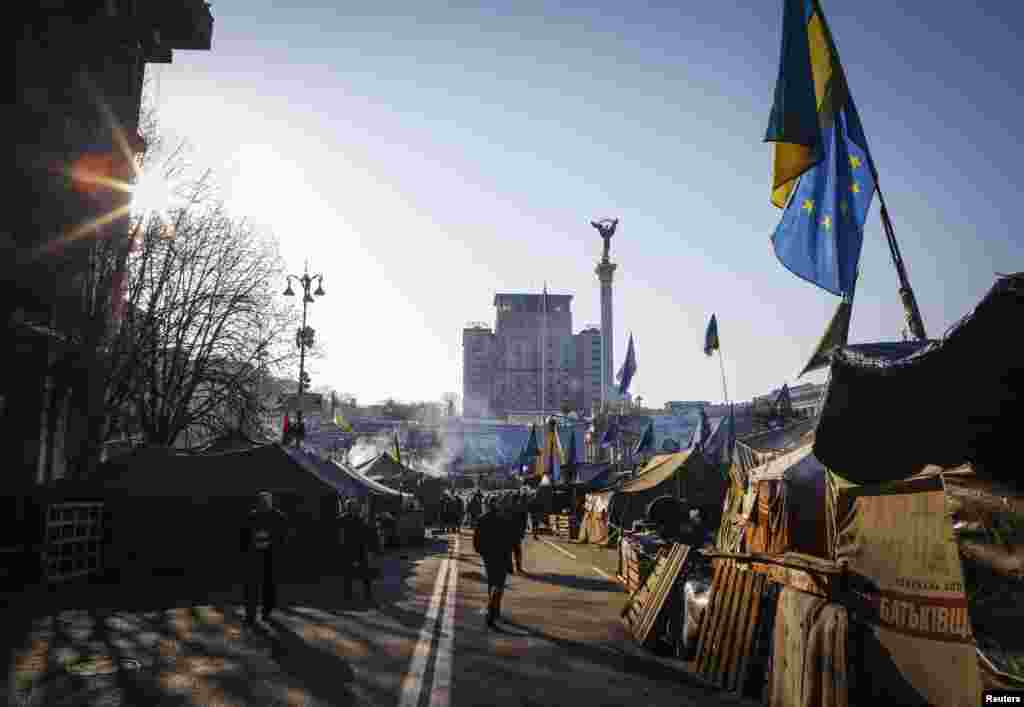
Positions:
{"x": 824, "y": 177}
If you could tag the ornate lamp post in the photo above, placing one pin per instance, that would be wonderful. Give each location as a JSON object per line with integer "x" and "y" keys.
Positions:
{"x": 304, "y": 336}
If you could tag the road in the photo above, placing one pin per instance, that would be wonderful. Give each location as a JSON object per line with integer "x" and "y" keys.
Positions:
{"x": 423, "y": 643}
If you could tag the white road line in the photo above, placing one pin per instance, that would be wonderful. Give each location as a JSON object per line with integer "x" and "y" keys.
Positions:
{"x": 412, "y": 684}
{"x": 441, "y": 691}
{"x": 564, "y": 552}
{"x": 601, "y": 572}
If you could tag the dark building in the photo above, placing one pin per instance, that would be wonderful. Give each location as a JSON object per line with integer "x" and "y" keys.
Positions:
{"x": 79, "y": 70}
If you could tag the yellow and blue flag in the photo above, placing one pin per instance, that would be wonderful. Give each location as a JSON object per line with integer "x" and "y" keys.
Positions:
{"x": 823, "y": 174}
{"x": 628, "y": 369}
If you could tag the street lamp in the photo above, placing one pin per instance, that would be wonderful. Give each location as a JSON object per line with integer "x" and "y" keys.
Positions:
{"x": 304, "y": 336}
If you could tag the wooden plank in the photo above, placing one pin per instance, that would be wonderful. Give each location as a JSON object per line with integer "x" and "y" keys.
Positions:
{"x": 746, "y": 659}
{"x": 721, "y": 644}
{"x": 715, "y": 639}
{"x": 739, "y": 631}
{"x": 704, "y": 637}
{"x": 727, "y": 647}
{"x": 719, "y": 598}
{"x": 663, "y": 586}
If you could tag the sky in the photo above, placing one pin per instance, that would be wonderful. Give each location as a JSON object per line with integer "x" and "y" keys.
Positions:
{"x": 424, "y": 156}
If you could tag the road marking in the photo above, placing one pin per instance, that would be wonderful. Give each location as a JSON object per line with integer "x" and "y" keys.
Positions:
{"x": 412, "y": 684}
{"x": 564, "y": 552}
{"x": 601, "y": 572}
{"x": 441, "y": 691}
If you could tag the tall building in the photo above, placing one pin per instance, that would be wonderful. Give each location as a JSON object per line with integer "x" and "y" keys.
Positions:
{"x": 530, "y": 361}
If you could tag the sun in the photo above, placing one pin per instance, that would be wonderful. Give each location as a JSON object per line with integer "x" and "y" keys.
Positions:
{"x": 152, "y": 193}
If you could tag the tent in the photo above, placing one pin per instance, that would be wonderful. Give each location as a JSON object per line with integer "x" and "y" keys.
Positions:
{"x": 383, "y": 469}
{"x": 946, "y": 402}
{"x": 924, "y": 580}
{"x": 348, "y": 482}
{"x": 686, "y": 475}
{"x": 182, "y": 513}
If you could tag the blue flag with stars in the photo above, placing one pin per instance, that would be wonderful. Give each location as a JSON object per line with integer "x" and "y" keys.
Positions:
{"x": 824, "y": 177}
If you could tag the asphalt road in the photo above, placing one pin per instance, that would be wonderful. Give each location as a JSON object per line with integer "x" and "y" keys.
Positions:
{"x": 422, "y": 643}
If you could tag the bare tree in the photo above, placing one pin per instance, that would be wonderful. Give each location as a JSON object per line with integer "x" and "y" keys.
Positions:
{"x": 203, "y": 323}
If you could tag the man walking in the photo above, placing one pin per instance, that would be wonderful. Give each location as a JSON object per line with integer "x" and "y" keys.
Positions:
{"x": 355, "y": 541}
{"x": 264, "y": 532}
{"x": 492, "y": 542}
{"x": 517, "y": 513}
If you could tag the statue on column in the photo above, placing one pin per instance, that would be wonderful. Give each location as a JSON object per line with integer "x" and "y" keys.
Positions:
{"x": 606, "y": 227}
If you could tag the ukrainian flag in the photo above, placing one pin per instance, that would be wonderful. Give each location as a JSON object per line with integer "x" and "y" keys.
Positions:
{"x": 823, "y": 174}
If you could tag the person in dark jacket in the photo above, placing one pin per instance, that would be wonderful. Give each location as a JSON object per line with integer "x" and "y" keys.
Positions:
{"x": 517, "y": 513}
{"x": 476, "y": 508}
{"x": 263, "y": 533}
{"x": 492, "y": 541}
{"x": 356, "y": 539}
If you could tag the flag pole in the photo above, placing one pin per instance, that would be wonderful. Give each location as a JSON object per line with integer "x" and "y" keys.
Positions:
{"x": 725, "y": 390}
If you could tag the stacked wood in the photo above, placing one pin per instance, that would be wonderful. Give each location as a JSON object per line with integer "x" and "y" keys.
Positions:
{"x": 561, "y": 525}
{"x": 731, "y": 621}
{"x": 652, "y": 598}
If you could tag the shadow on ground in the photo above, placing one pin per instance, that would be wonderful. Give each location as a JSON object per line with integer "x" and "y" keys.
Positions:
{"x": 586, "y": 584}
{"x": 181, "y": 640}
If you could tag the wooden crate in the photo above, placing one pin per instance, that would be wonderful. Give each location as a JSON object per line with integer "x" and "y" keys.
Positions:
{"x": 646, "y": 604}
{"x": 730, "y": 623}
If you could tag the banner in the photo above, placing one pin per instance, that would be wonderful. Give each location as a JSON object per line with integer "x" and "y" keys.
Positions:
{"x": 905, "y": 566}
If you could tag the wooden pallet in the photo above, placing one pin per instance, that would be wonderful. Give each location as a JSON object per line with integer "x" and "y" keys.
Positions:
{"x": 642, "y": 611}
{"x": 729, "y": 625}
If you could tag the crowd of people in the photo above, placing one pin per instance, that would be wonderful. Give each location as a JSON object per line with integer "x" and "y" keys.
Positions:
{"x": 500, "y": 522}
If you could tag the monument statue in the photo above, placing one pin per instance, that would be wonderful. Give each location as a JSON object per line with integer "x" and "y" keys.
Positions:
{"x": 606, "y": 227}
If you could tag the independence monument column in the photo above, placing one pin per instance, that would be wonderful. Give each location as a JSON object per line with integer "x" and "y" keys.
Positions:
{"x": 605, "y": 270}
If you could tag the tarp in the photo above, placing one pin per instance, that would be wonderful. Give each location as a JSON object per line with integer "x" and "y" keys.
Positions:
{"x": 809, "y": 664}
{"x": 904, "y": 568}
{"x": 946, "y": 402}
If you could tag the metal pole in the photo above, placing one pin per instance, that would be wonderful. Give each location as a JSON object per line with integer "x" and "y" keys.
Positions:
{"x": 302, "y": 349}
{"x": 725, "y": 390}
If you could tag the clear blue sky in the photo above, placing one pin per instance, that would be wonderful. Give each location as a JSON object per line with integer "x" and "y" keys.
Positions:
{"x": 426, "y": 155}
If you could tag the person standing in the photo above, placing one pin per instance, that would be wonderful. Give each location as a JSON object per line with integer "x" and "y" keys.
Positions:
{"x": 459, "y": 512}
{"x": 492, "y": 542}
{"x": 263, "y": 534}
{"x": 355, "y": 541}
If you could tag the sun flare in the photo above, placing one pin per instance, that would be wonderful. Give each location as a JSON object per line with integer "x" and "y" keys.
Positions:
{"x": 152, "y": 193}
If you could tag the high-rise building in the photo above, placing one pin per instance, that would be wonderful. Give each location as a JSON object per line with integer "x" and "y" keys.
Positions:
{"x": 530, "y": 362}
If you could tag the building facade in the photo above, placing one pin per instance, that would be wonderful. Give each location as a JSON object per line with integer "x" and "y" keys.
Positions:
{"x": 79, "y": 70}
{"x": 530, "y": 361}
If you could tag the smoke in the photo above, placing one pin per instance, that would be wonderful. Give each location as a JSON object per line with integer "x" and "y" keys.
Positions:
{"x": 366, "y": 448}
